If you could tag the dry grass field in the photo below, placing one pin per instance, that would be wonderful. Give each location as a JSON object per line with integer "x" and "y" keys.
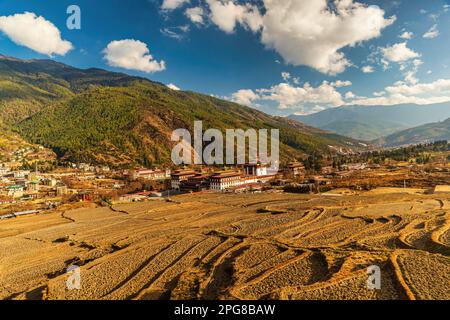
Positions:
{"x": 227, "y": 246}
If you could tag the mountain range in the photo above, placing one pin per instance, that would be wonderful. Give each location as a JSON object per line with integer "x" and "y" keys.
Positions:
{"x": 112, "y": 118}
{"x": 373, "y": 122}
{"x": 426, "y": 133}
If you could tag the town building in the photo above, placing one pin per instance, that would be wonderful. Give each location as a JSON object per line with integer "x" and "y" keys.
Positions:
{"x": 33, "y": 186}
{"x": 255, "y": 169}
{"x": 15, "y": 191}
{"x": 61, "y": 190}
{"x": 21, "y": 174}
{"x": 199, "y": 182}
{"x": 246, "y": 179}
{"x": 294, "y": 169}
{"x": 51, "y": 182}
{"x": 225, "y": 180}
{"x": 149, "y": 174}
{"x": 179, "y": 176}
{"x": 86, "y": 167}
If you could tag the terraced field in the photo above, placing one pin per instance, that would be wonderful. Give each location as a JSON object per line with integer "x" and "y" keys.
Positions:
{"x": 226, "y": 246}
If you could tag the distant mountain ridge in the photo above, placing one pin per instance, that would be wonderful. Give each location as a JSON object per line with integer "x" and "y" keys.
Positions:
{"x": 373, "y": 122}
{"x": 423, "y": 134}
{"x": 111, "y": 118}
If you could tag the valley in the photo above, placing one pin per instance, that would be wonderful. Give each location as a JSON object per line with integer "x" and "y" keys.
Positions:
{"x": 225, "y": 158}
{"x": 88, "y": 185}
{"x": 373, "y": 123}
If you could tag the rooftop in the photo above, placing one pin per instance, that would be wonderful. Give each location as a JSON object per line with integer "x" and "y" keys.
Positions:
{"x": 226, "y": 175}
{"x": 184, "y": 173}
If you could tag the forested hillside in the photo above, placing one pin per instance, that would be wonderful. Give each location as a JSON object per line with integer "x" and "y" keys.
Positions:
{"x": 103, "y": 117}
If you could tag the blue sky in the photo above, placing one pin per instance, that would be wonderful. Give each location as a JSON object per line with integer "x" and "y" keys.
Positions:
{"x": 281, "y": 56}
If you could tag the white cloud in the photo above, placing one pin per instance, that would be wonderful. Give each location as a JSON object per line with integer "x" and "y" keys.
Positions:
{"x": 133, "y": 55}
{"x": 399, "y": 52}
{"x": 417, "y": 62}
{"x": 433, "y": 16}
{"x": 384, "y": 64}
{"x": 406, "y": 35}
{"x": 36, "y": 33}
{"x": 307, "y": 99}
{"x": 244, "y": 97}
{"x": 195, "y": 14}
{"x": 314, "y": 109}
{"x": 379, "y": 93}
{"x": 304, "y": 99}
{"x": 418, "y": 93}
{"x": 367, "y": 69}
{"x": 410, "y": 69}
{"x": 301, "y": 97}
{"x": 173, "y": 87}
{"x": 398, "y": 99}
{"x": 309, "y": 33}
{"x": 437, "y": 87}
{"x": 178, "y": 33}
{"x": 410, "y": 77}
{"x": 340, "y": 83}
{"x": 286, "y": 76}
{"x": 432, "y": 33}
{"x": 303, "y": 32}
{"x": 226, "y": 14}
{"x": 349, "y": 95}
{"x": 172, "y": 4}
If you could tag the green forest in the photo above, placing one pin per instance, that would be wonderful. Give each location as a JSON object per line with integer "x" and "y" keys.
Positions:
{"x": 110, "y": 118}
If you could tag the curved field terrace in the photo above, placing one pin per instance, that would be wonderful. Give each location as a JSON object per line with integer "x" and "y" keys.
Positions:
{"x": 229, "y": 246}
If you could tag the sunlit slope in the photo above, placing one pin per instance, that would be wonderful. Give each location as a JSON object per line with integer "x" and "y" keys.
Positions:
{"x": 110, "y": 118}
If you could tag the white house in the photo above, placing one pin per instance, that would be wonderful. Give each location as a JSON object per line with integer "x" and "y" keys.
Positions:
{"x": 222, "y": 181}
{"x": 178, "y": 176}
{"x": 255, "y": 169}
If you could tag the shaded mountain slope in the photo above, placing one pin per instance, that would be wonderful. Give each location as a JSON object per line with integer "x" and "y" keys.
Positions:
{"x": 423, "y": 134}
{"x": 372, "y": 122}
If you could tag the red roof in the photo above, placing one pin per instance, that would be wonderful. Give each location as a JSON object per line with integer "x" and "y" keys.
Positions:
{"x": 226, "y": 175}
{"x": 267, "y": 176}
{"x": 183, "y": 173}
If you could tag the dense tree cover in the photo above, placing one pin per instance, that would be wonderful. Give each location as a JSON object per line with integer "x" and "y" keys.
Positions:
{"x": 418, "y": 153}
{"x": 437, "y": 131}
{"x": 134, "y": 124}
{"x": 102, "y": 117}
{"x": 313, "y": 162}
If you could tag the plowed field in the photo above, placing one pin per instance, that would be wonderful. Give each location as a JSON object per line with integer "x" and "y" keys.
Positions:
{"x": 226, "y": 246}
